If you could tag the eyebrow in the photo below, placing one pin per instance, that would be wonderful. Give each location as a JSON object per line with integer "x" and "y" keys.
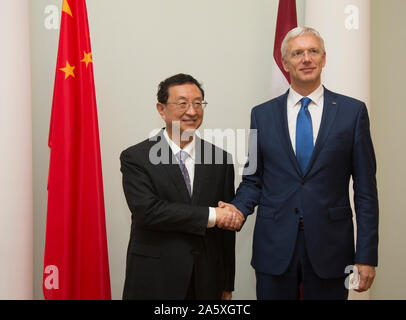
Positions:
{"x": 314, "y": 48}
{"x": 184, "y": 98}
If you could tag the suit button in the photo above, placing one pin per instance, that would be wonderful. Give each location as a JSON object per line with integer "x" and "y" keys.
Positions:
{"x": 297, "y": 210}
{"x": 303, "y": 182}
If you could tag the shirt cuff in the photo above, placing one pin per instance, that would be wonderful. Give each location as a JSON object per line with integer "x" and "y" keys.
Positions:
{"x": 212, "y": 218}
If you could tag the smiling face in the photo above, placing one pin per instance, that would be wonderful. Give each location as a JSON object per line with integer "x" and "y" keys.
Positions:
{"x": 181, "y": 121}
{"x": 304, "y": 61}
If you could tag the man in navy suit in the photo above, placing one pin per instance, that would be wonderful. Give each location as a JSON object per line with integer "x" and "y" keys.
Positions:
{"x": 310, "y": 141}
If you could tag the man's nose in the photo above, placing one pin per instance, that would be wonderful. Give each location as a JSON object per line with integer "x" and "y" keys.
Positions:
{"x": 191, "y": 109}
{"x": 306, "y": 56}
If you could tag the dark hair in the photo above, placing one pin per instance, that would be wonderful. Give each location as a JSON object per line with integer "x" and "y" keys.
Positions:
{"x": 178, "y": 79}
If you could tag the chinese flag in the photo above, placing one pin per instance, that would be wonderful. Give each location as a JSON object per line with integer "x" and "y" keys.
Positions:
{"x": 76, "y": 259}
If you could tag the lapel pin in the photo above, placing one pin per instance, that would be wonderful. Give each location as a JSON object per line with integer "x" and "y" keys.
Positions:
{"x": 334, "y": 103}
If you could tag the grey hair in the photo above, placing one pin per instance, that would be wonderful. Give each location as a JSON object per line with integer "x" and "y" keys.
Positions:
{"x": 299, "y": 31}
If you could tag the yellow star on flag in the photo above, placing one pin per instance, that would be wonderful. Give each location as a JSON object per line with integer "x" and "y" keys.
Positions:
{"x": 87, "y": 58}
{"x": 66, "y": 8}
{"x": 68, "y": 70}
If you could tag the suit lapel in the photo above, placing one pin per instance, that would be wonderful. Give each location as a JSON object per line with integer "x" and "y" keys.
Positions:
{"x": 330, "y": 108}
{"x": 170, "y": 166}
{"x": 200, "y": 170}
{"x": 283, "y": 129}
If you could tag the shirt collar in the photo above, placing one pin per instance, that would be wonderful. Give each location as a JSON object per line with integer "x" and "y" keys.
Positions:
{"x": 316, "y": 96}
{"x": 189, "y": 148}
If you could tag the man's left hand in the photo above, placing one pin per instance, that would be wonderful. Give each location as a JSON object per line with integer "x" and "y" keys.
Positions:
{"x": 366, "y": 277}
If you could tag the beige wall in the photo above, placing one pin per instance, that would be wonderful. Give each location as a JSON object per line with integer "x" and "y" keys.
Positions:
{"x": 388, "y": 129}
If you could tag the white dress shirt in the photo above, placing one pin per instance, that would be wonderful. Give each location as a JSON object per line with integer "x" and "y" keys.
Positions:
{"x": 190, "y": 167}
{"x": 315, "y": 108}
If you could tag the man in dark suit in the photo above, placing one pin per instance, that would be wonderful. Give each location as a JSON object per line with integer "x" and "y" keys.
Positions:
{"x": 172, "y": 185}
{"x": 310, "y": 141}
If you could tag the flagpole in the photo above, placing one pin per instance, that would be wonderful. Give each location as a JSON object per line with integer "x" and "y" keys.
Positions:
{"x": 16, "y": 213}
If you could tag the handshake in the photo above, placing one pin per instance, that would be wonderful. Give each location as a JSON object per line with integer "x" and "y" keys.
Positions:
{"x": 228, "y": 217}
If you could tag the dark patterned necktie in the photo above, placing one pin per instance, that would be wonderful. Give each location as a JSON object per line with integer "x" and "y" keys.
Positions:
{"x": 182, "y": 156}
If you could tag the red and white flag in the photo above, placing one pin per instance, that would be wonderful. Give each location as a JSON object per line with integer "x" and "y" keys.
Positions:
{"x": 286, "y": 21}
{"x": 76, "y": 260}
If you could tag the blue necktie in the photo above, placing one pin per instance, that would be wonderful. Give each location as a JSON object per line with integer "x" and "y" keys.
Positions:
{"x": 304, "y": 135}
{"x": 182, "y": 155}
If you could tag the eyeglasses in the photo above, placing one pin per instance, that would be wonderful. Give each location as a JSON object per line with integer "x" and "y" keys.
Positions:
{"x": 298, "y": 54}
{"x": 183, "y": 106}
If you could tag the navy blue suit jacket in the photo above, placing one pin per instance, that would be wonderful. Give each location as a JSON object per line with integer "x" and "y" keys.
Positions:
{"x": 343, "y": 149}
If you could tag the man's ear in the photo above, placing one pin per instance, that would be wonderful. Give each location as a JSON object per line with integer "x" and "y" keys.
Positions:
{"x": 161, "y": 110}
{"x": 324, "y": 59}
{"x": 285, "y": 65}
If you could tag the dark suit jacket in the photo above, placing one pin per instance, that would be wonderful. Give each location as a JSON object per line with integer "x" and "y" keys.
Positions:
{"x": 169, "y": 236}
{"x": 343, "y": 149}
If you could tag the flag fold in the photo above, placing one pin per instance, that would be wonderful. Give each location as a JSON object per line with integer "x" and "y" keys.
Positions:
{"x": 286, "y": 21}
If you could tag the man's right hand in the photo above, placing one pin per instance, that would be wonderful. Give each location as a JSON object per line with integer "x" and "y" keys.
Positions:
{"x": 228, "y": 217}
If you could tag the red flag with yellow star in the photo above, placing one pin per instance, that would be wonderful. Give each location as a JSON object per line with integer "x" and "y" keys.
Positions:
{"x": 76, "y": 259}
